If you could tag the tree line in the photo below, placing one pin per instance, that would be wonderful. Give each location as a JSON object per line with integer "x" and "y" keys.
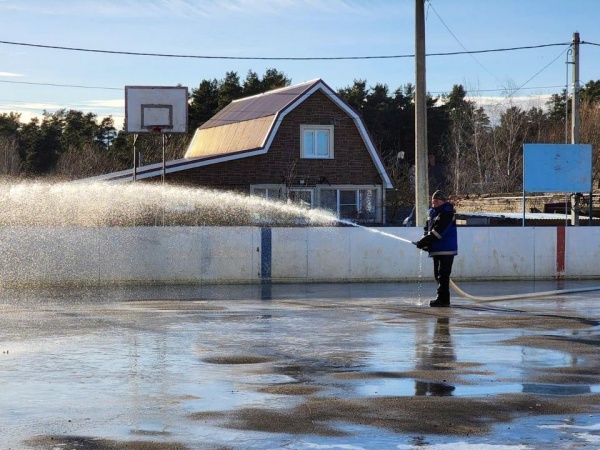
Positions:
{"x": 472, "y": 149}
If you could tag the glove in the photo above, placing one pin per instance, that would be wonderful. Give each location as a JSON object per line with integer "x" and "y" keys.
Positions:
{"x": 425, "y": 242}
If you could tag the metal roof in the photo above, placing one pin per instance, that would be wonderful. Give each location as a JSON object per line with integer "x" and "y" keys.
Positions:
{"x": 266, "y": 104}
{"x": 229, "y": 138}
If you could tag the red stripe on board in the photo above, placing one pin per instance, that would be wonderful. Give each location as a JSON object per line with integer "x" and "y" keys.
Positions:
{"x": 560, "y": 250}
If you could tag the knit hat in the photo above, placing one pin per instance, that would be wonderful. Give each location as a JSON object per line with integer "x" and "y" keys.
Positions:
{"x": 439, "y": 195}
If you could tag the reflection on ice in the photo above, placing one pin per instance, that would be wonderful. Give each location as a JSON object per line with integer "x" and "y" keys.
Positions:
{"x": 198, "y": 364}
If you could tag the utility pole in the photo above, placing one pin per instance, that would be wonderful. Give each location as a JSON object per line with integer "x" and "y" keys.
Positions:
{"x": 421, "y": 160}
{"x": 575, "y": 101}
{"x": 576, "y": 207}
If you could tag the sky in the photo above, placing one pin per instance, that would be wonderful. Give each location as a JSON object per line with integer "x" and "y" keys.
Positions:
{"x": 34, "y": 78}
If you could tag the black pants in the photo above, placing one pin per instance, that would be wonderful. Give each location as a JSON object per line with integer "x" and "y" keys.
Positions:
{"x": 442, "y": 268}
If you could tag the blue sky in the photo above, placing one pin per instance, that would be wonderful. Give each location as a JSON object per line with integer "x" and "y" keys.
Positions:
{"x": 33, "y": 79}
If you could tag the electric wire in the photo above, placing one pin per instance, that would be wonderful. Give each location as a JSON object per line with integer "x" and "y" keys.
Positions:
{"x": 77, "y": 86}
{"x": 279, "y": 58}
{"x": 430, "y": 5}
{"x": 465, "y": 52}
{"x": 512, "y": 91}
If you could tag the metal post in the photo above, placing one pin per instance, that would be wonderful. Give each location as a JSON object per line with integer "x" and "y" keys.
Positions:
{"x": 163, "y": 156}
{"x": 135, "y": 137}
{"x": 421, "y": 160}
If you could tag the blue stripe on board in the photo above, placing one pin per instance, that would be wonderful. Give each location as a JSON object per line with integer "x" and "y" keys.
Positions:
{"x": 265, "y": 254}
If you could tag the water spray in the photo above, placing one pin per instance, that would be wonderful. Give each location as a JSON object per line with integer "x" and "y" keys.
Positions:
{"x": 144, "y": 204}
{"x": 372, "y": 230}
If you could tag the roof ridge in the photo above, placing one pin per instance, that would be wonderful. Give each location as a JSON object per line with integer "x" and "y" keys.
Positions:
{"x": 275, "y": 91}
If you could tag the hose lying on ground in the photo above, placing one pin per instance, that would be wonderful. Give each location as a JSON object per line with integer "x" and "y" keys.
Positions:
{"x": 462, "y": 293}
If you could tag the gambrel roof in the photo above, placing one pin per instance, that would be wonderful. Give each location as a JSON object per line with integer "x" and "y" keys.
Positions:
{"x": 250, "y": 124}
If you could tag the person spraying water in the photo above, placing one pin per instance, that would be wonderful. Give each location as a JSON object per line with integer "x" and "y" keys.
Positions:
{"x": 440, "y": 239}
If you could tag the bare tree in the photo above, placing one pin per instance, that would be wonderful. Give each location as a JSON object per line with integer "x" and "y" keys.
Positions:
{"x": 467, "y": 148}
{"x": 150, "y": 146}
{"x": 403, "y": 195}
{"x": 10, "y": 161}
{"x": 589, "y": 133}
{"x": 87, "y": 161}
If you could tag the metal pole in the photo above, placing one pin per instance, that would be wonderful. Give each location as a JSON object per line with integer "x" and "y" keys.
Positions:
{"x": 421, "y": 160}
{"x": 163, "y": 156}
{"x": 135, "y": 137}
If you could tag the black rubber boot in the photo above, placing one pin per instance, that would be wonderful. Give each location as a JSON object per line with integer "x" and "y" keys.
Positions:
{"x": 437, "y": 303}
{"x": 442, "y": 300}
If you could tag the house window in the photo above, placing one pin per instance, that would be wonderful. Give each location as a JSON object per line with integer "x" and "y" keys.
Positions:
{"x": 316, "y": 141}
{"x": 351, "y": 204}
{"x": 298, "y": 196}
{"x": 302, "y": 197}
{"x": 273, "y": 192}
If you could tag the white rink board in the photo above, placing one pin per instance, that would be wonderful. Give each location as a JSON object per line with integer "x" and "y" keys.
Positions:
{"x": 304, "y": 255}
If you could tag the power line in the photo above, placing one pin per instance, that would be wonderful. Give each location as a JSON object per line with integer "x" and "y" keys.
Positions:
{"x": 485, "y": 68}
{"x": 465, "y": 52}
{"x": 457, "y": 40}
{"x": 120, "y": 88}
{"x": 540, "y": 71}
{"x": 284, "y": 58}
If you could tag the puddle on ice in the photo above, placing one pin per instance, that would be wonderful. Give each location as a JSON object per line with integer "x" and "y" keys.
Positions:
{"x": 407, "y": 387}
{"x": 127, "y": 364}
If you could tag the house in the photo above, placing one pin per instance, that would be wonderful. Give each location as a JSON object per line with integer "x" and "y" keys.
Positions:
{"x": 300, "y": 144}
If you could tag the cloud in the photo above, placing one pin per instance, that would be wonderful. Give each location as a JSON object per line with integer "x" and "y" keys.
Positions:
{"x": 114, "y": 103}
{"x": 183, "y": 8}
{"x": 102, "y": 108}
{"x": 28, "y": 110}
{"x": 502, "y": 103}
{"x": 30, "y": 106}
{"x": 10, "y": 74}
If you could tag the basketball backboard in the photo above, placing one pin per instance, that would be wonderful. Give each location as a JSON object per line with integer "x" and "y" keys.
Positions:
{"x": 156, "y": 108}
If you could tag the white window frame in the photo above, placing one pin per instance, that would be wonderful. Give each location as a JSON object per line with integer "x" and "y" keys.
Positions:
{"x": 279, "y": 187}
{"x": 284, "y": 190}
{"x": 311, "y": 191}
{"x": 357, "y": 188}
{"x": 314, "y": 129}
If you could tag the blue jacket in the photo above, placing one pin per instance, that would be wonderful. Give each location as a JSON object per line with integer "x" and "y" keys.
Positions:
{"x": 441, "y": 223}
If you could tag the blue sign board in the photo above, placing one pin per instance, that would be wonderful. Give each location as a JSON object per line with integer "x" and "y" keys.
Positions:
{"x": 557, "y": 167}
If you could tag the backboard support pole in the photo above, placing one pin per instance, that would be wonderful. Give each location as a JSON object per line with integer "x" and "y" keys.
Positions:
{"x": 135, "y": 162}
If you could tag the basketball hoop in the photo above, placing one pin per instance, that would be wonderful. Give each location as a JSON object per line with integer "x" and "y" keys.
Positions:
{"x": 148, "y": 107}
{"x": 156, "y": 110}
